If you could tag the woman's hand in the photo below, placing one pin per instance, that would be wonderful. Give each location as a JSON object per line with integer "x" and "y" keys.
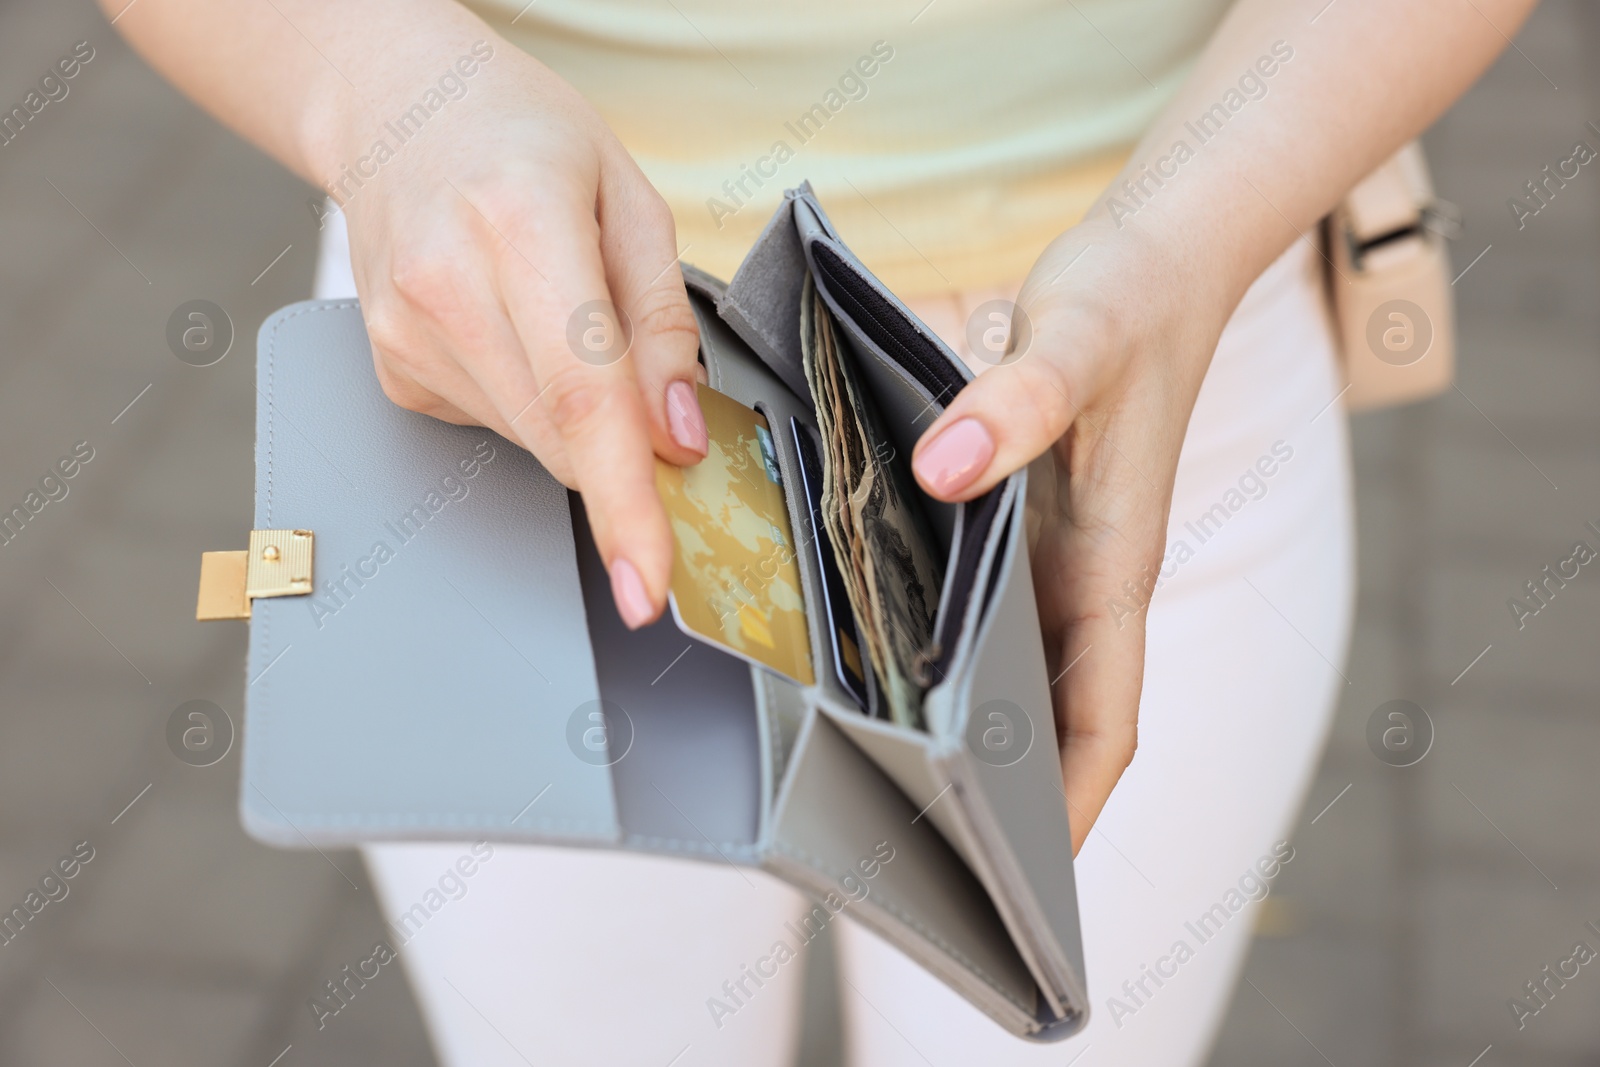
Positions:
{"x": 1103, "y": 389}
{"x": 1122, "y": 336}
{"x": 490, "y": 242}
{"x": 490, "y": 253}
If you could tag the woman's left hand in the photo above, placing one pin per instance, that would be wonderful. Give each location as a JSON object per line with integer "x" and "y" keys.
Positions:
{"x": 1121, "y": 335}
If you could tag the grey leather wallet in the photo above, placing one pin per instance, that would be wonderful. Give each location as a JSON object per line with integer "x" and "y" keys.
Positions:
{"x": 458, "y": 671}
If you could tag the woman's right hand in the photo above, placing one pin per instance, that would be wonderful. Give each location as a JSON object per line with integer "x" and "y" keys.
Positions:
{"x": 489, "y": 253}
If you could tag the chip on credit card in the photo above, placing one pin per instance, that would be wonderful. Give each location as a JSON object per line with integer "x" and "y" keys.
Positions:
{"x": 735, "y": 571}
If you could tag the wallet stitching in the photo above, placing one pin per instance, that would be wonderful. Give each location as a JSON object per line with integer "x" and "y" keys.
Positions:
{"x": 266, "y": 642}
{"x": 782, "y": 363}
{"x": 707, "y": 847}
{"x": 780, "y": 741}
{"x": 955, "y": 953}
{"x": 772, "y": 340}
{"x": 582, "y": 825}
{"x": 773, "y": 769}
{"x": 360, "y": 821}
{"x": 731, "y": 311}
{"x": 272, "y": 366}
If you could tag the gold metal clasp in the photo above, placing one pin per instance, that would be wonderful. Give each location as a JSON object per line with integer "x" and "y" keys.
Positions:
{"x": 277, "y": 563}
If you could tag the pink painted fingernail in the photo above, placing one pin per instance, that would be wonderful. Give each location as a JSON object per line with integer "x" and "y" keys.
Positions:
{"x": 684, "y": 420}
{"x": 955, "y": 458}
{"x": 633, "y": 600}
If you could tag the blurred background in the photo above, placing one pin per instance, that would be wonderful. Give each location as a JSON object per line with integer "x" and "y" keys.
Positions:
{"x": 1421, "y": 898}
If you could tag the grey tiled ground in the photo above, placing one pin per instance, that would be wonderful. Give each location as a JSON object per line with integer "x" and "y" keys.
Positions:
{"x": 181, "y": 942}
{"x": 1407, "y": 920}
{"x": 1411, "y": 915}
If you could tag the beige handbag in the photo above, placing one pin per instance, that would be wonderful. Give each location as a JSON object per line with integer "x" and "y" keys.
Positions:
{"x": 1389, "y": 285}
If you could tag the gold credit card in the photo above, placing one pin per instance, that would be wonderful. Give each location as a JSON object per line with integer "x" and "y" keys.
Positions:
{"x": 735, "y": 570}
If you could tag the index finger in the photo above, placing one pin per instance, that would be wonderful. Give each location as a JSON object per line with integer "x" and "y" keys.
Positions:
{"x": 577, "y": 342}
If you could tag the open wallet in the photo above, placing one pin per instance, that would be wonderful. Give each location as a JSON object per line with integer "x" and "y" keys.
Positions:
{"x": 434, "y": 652}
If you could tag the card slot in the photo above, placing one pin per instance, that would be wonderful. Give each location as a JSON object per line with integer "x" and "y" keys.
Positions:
{"x": 907, "y": 387}
{"x": 925, "y": 541}
{"x": 781, "y": 415}
{"x": 841, "y": 646}
{"x": 962, "y": 575}
{"x": 917, "y": 353}
{"x": 679, "y": 729}
{"x": 966, "y": 528}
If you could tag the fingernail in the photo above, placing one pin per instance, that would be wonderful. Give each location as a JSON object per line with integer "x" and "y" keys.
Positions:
{"x": 684, "y": 420}
{"x": 955, "y": 458}
{"x": 633, "y": 600}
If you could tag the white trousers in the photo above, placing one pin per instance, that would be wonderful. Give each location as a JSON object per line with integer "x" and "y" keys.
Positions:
{"x": 569, "y": 957}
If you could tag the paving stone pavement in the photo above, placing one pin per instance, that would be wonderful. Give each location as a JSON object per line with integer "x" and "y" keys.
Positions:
{"x": 1420, "y": 901}
{"x": 182, "y": 941}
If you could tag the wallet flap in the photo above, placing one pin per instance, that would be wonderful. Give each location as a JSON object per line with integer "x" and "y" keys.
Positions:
{"x": 413, "y": 695}
{"x": 999, "y": 748}
{"x": 837, "y": 814}
{"x": 903, "y": 756}
{"x": 762, "y": 302}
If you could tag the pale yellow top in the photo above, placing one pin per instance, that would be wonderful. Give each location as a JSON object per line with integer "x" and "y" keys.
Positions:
{"x": 949, "y": 141}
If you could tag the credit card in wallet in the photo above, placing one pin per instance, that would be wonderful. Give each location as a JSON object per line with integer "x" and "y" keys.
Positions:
{"x": 735, "y": 576}
{"x": 848, "y": 664}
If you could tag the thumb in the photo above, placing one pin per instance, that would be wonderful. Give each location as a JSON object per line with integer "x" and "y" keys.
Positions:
{"x": 1001, "y": 422}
